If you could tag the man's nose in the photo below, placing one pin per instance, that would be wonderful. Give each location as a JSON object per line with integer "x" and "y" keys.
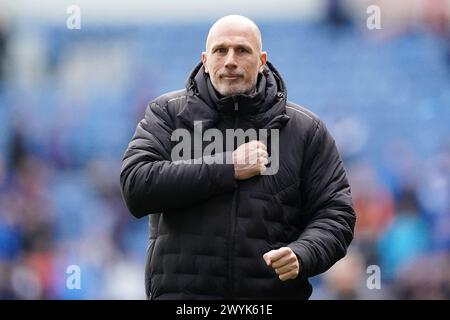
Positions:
{"x": 230, "y": 60}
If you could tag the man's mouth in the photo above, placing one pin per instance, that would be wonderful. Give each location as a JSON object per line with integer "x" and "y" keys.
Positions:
{"x": 230, "y": 76}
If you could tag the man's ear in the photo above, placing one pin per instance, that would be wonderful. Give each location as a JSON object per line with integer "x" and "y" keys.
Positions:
{"x": 204, "y": 61}
{"x": 262, "y": 60}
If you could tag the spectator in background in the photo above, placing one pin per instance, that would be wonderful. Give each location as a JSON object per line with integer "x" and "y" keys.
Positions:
{"x": 375, "y": 206}
{"x": 437, "y": 17}
{"x": 336, "y": 14}
{"x": 426, "y": 277}
{"x": 3, "y": 48}
{"x": 433, "y": 193}
{"x": 405, "y": 239}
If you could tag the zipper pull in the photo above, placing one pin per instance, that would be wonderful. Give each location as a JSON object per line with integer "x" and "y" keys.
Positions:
{"x": 236, "y": 105}
{"x": 236, "y": 115}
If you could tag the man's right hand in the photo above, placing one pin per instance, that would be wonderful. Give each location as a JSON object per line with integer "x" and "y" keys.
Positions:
{"x": 250, "y": 159}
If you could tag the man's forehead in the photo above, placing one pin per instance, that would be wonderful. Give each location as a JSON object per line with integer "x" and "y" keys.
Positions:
{"x": 233, "y": 30}
{"x": 233, "y": 35}
{"x": 232, "y": 41}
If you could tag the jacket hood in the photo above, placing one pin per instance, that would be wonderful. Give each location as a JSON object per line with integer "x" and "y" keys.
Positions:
{"x": 265, "y": 108}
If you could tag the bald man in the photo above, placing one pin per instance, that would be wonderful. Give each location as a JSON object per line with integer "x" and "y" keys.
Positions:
{"x": 226, "y": 223}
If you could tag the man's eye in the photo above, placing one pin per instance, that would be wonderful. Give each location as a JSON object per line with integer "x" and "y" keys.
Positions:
{"x": 220, "y": 50}
{"x": 242, "y": 50}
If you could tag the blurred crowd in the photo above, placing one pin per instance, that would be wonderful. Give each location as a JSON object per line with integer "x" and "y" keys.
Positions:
{"x": 69, "y": 103}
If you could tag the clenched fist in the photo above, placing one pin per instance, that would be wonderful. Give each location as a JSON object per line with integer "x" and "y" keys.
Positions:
{"x": 250, "y": 159}
{"x": 284, "y": 261}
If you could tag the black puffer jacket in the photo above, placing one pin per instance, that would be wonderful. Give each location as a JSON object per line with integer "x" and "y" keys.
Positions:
{"x": 210, "y": 231}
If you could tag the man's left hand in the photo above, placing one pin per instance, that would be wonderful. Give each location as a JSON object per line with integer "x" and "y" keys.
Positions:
{"x": 284, "y": 261}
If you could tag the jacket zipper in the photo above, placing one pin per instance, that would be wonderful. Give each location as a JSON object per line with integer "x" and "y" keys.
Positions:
{"x": 233, "y": 214}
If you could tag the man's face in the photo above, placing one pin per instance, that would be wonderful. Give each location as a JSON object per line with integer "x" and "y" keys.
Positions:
{"x": 233, "y": 59}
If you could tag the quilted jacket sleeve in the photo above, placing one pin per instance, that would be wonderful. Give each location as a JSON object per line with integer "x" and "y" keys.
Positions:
{"x": 327, "y": 204}
{"x": 152, "y": 183}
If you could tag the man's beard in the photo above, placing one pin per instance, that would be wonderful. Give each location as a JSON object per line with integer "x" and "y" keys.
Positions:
{"x": 246, "y": 91}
